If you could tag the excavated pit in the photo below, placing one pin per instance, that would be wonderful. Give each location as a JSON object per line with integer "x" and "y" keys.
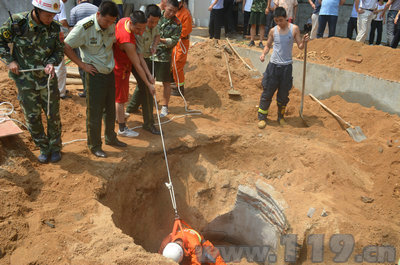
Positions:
{"x": 228, "y": 206}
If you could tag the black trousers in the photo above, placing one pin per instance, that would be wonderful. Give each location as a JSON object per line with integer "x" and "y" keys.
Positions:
{"x": 216, "y": 22}
{"x": 246, "y": 26}
{"x": 396, "y": 38}
{"x": 228, "y": 16}
{"x": 376, "y": 25}
{"x": 276, "y": 77}
{"x": 351, "y": 26}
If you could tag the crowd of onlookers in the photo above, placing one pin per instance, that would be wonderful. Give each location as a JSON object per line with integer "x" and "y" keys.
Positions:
{"x": 367, "y": 18}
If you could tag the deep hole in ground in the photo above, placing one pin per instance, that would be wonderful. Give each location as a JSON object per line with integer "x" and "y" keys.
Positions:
{"x": 141, "y": 203}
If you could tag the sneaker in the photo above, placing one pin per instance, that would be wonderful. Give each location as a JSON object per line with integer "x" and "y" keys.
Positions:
{"x": 164, "y": 111}
{"x": 252, "y": 43}
{"x": 261, "y": 45}
{"x": 261, "y": 124}
{"x": 127, "y": 115}
{"x": 128, "y": 133}
{"x": 82, "y": 95}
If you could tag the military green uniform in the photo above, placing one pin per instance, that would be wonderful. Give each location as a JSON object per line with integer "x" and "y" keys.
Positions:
{"x": 37, "y": 46}
{"x": 95, "y": 45}
{"x": 142, "y": 95}
{"x": 170, "y": 29}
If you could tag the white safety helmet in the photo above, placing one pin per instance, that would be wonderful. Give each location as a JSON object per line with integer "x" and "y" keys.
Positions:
{"x": 52, "y": 6}
{"x": 173, "y": 251}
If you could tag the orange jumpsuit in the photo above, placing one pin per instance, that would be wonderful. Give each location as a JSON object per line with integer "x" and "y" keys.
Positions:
{"x": 196, "y": 248}
{"x": 182, "y": 48}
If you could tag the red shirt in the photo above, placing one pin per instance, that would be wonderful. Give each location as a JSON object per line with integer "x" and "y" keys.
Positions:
{"x": 123, "y": 35}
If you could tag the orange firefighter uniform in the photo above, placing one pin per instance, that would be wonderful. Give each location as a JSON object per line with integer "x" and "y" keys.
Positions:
{"x": 197, "y": 250}
{"x": 179, "y": 53}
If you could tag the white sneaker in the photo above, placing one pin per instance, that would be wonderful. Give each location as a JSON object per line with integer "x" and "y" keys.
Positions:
{"x": 128, "y": 133}
{"x": 164, "y": 111}
{"x": 127, "y": 115}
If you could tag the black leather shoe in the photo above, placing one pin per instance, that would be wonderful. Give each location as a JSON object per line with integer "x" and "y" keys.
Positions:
{"x": 153, "y": 130}
{"x": 99, "y": 153}
{"x": 117, "y": 143}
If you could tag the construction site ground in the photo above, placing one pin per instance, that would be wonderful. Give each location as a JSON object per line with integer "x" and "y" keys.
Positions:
{"x": 88, "y": 210}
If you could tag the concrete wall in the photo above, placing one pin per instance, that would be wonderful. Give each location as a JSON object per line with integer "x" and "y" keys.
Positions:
{"x": 324, "y": 81}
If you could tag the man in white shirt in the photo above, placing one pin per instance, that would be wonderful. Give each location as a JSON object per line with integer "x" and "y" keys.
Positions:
{"x": 365, "y": 11}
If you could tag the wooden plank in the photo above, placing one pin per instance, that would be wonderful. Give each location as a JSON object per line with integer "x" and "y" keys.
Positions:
{"x": 9, "y": 128}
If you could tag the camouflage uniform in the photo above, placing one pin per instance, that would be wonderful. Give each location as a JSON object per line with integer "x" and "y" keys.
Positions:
{"x": 259, "y": 6}
{"x": 170, "y": 29}
{"x": 38, "y": 46}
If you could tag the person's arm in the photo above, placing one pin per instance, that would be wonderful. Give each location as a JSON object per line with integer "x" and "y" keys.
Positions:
{"x": 299, "y": 41}
{"x": 243, "y": 5}
{"x": 88, "y": 68}
{"x": 268, "y": 46}
{"x": 312, "y": 4}
{"x": 295, "y": 11}
{"x": 130, "y": 50}
{"x": 396, "y": 19}
{"x": 388, "y": 4}
{"x": 76, "y": 38}
{"x": 173, "y": 40}
{"x": 186, "y": 23}
{"x": 149, "y": 75}
{"x": 57, "y": 56}
{"x": 64, "y": 23}
{"x": 155, "y": 43}
{"x": 212, "y": 5}
{"x": 268, "y": 9}
{"x": 357, "y": 5}
{"x": 6, "y": 37}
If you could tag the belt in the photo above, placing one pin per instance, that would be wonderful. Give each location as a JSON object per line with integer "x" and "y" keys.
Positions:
{"x": 186, "y": 38}
{"x": 368, "y": 9}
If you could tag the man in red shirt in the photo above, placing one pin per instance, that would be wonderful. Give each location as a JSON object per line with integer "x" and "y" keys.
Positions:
{"x": 125, "y": 57}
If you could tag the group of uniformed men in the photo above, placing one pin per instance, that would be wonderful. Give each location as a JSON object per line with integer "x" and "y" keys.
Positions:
{"x": 109, "y": 53}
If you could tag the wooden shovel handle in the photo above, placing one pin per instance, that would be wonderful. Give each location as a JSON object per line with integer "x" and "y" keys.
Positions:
{"x": 329, "y": 110}
{"x": 229, "y": 71}
{"x": 237, "y": 54}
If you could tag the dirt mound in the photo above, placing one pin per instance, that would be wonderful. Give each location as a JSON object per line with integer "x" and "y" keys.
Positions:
{"x": 378, "y": 61}
{"x": 85, "y": 210}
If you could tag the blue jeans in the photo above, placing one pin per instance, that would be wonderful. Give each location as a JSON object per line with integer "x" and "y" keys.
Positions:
{"x": 390, "y": 26}
{"x": 322, "y": 20}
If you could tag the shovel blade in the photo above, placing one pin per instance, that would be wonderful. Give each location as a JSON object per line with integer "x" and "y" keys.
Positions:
{"x": 233, "y": 92}
{"x": 356, "y": 133}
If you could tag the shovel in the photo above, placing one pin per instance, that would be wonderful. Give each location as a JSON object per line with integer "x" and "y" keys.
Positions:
{"x": 232, "y": 91}
{"x": 354, "y": 131}
{"x": 304, "y": 84}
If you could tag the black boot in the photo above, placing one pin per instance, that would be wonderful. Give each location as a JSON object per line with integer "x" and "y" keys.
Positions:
{"x": 281, "y": 113}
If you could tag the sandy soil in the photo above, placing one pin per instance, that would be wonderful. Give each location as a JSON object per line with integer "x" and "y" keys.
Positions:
{"x": 85, "y": 210}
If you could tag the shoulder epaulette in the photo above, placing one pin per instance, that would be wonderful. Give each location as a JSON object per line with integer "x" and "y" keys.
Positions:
{"x": 88, "y": 24}
{"x": 177, "y": 21}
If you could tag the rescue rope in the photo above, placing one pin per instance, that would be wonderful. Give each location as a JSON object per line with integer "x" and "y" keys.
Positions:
{"x": 169, "y": 185}
{"x": 184, "y": 50}
{"x": 5, "y": 112}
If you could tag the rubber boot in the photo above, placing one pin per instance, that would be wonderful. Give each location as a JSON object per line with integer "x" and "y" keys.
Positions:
{"x": 281, "y": 113}
{"x": 262, "y": 118}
